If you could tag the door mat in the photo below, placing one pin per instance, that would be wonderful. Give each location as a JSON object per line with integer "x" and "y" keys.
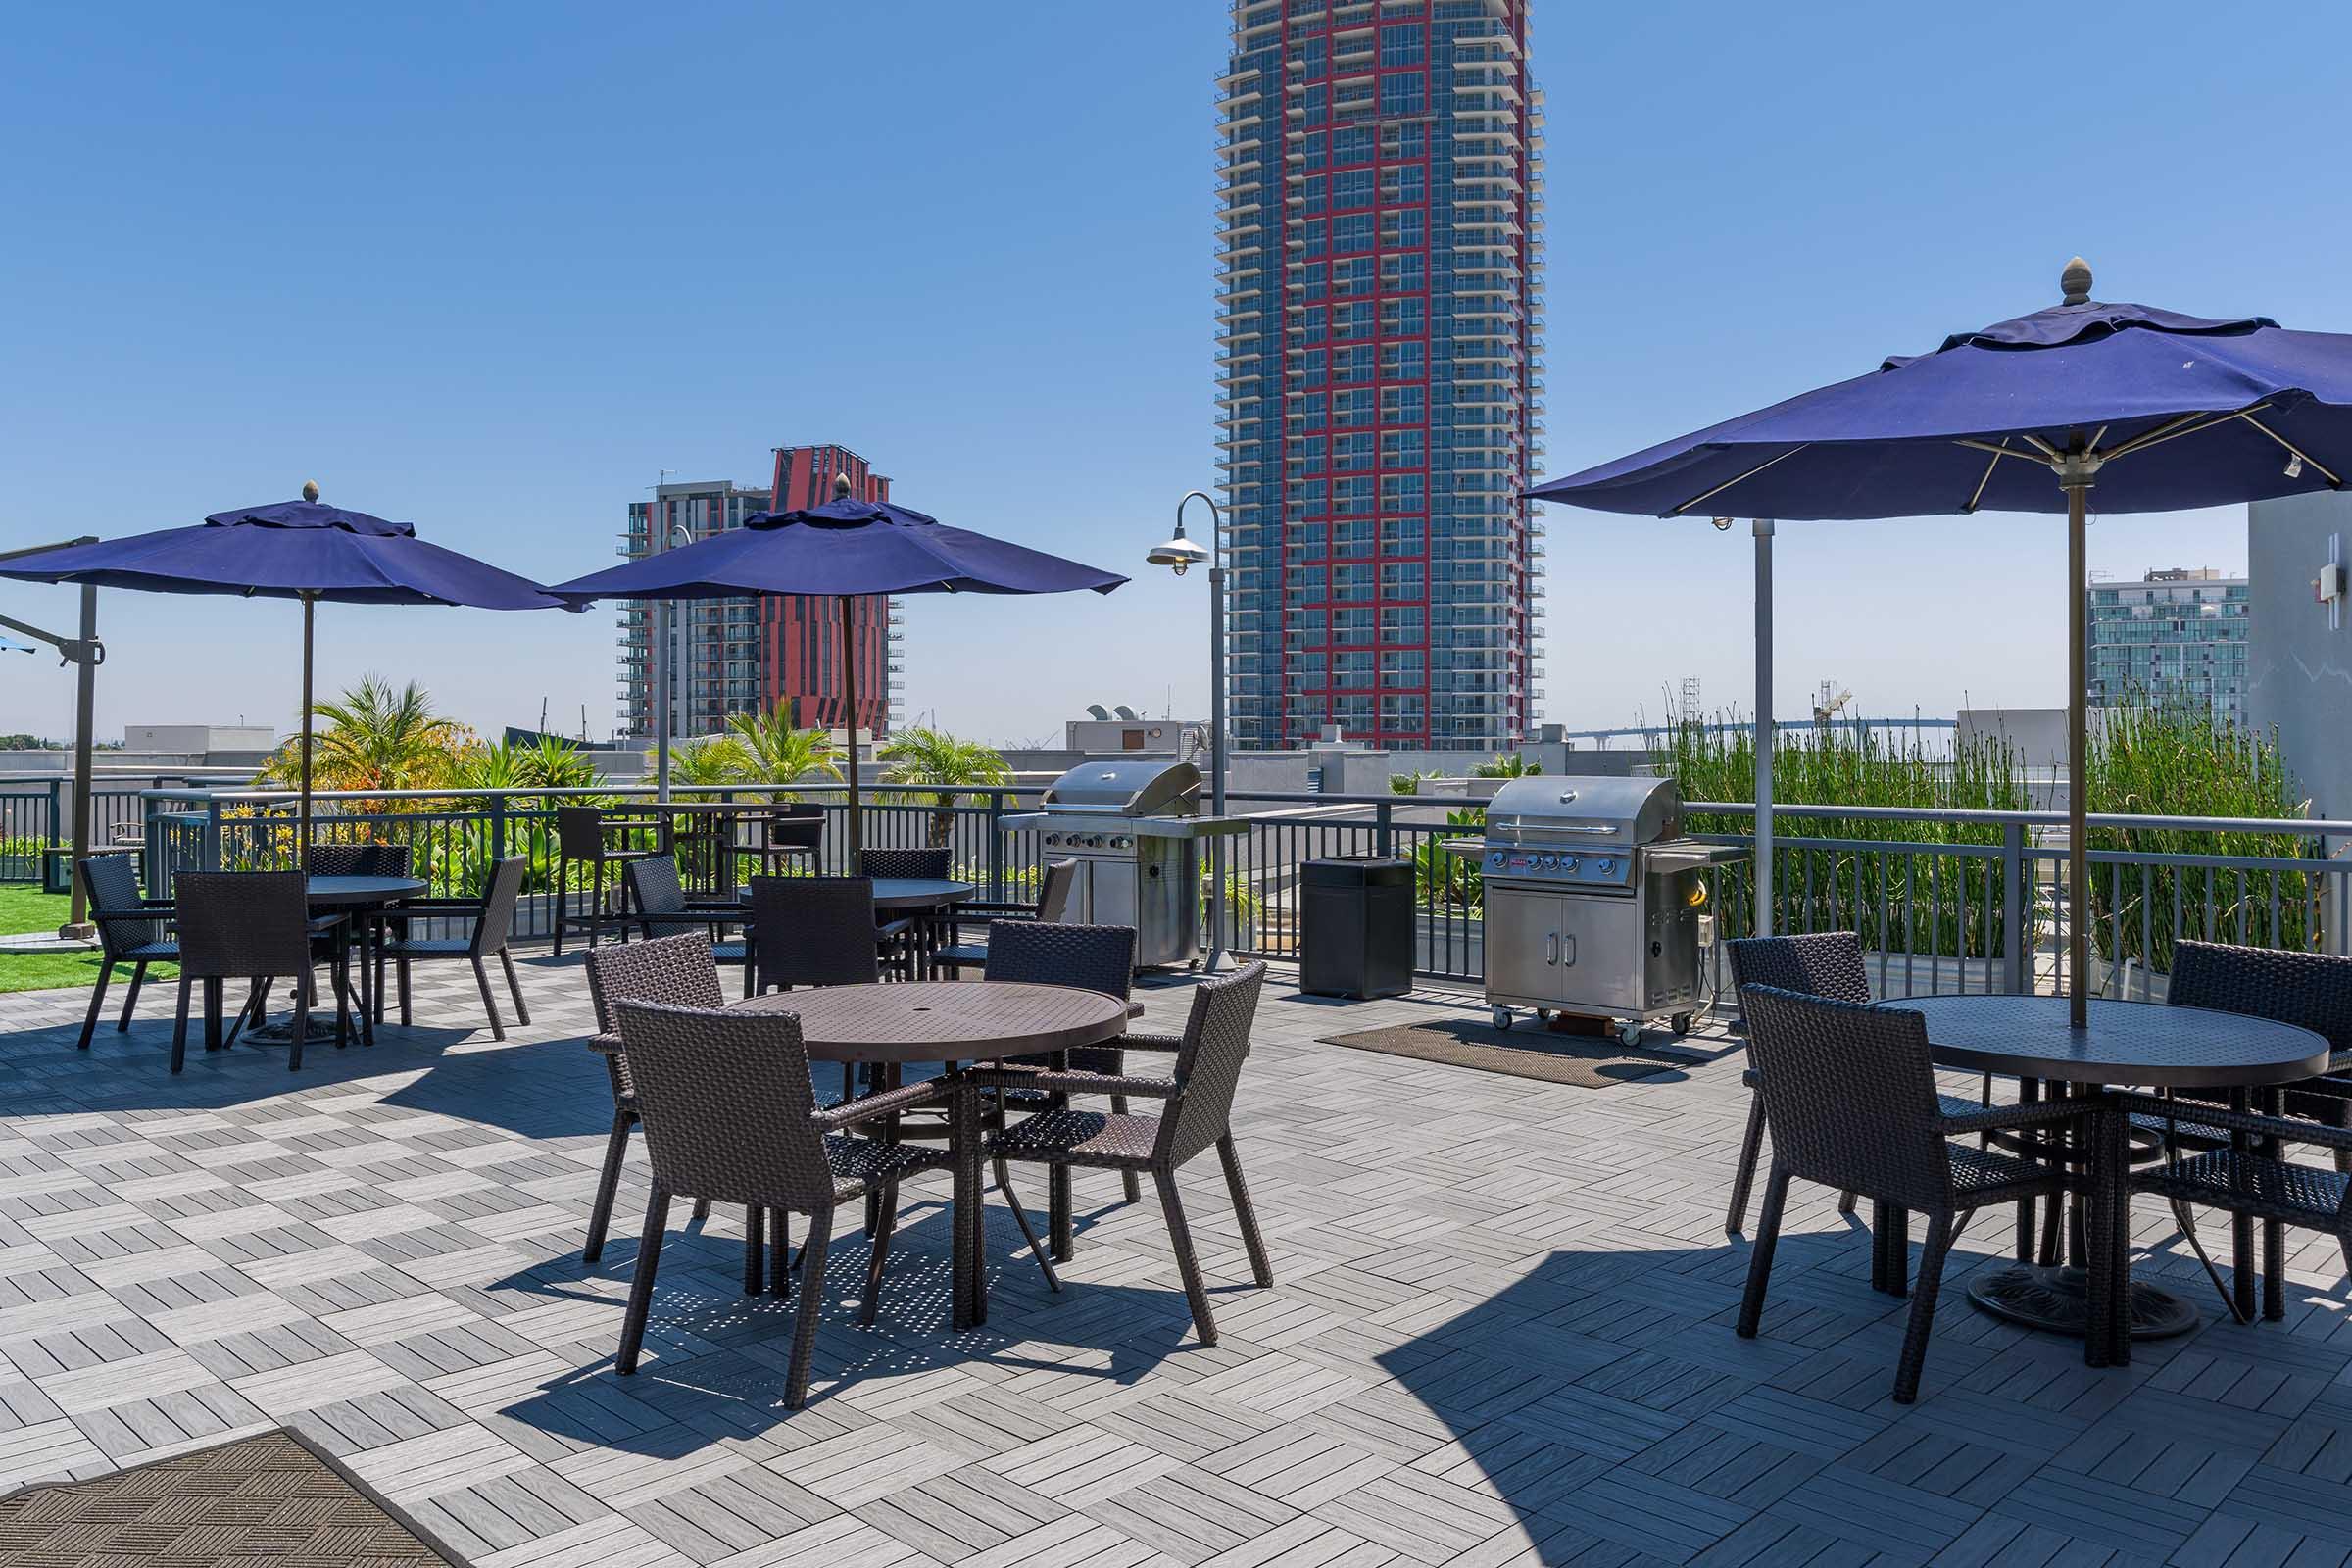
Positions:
{"x": 270, "y": 1499}
{"x": 1582, "y": 1064}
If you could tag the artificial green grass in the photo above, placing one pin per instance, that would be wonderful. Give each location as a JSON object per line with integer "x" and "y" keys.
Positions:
{"x": 24, "y": 906}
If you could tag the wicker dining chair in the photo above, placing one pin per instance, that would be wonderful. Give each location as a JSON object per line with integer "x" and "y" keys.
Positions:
{"x": 581, "y": 839}
{"x": 493, "y": 915}
{"x": 130, "y": 930}
{"x": 729, "y": 1114}
{"x": 678, "y": 971}
{"x": 662, "y": 905}
{"x": 1850, "y": 1092}
{"x": 812, "y": 931}
{"x": 1091, "y": 958}
{"x": 249, "y": 925}
{"x": 356, "y": 860}
{"x": 915, "y": 864}
{"x": 1054, "y": 883}
{"x": 1198, "y": 1115}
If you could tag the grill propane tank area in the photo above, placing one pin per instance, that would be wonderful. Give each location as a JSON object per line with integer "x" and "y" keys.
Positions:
{"x": 1593, "y": 901}
{"x": 1133, "y": 827}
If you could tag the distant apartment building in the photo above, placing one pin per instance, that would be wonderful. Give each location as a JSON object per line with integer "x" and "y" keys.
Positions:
{"x": 741, "y": 656}
{"x": 2175, "y": 638}
{"x": 1377, "y": 372}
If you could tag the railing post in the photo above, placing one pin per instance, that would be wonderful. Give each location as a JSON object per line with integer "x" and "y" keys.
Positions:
{"x": 211, "y": 832}
{"x": 996, "y": 846}
{"x": 2013, "y": 924}
{"x": 157, "y": 866}
{"x": 497, "y": 829}
{"x": 58, "y": 833}
{"x": 1384, "y": 829}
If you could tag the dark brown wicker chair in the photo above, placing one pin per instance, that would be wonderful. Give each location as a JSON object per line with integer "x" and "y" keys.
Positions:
{"x": 795, "y": 830}
{"x": 1054, "y": 885}
{"x": 2312, "y": 990}
{"x": 493, "y": 921}
{"x": 729, "y": 1114}
{"x": 1198, "y": 1092}
{"x": 812, "y": 931}
{"x": 130, "y": 930}
{"x": 356, "y": 860}
{"x": 675, "y": 970}
{"x": 581, "y": 838}
{"x": 1091, "y": 958}
{"x": 916, "y": 864}
{"x": 1850, "y": 1092}
{"x": 663, "y": 907}
{"x": 249, "y": 925}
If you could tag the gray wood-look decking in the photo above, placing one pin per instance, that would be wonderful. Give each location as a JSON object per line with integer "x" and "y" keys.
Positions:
{"x": 1500, "y": 1333}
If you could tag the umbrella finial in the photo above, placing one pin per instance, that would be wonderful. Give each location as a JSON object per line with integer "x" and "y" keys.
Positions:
{"x": 310, "y": 489}
{"x": 2074, "y": 282}
{"x": 841, "y": 485}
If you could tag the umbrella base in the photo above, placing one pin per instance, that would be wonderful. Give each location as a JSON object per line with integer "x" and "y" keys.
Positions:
{"x": 2057, "y": 1300}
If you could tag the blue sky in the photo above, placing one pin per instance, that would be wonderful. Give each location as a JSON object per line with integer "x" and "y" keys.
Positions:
{"x": 488, "y": 268}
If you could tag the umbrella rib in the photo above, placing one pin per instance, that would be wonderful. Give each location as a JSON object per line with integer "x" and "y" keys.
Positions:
{"x": 1738, "y": 479}
{"x": 2332, "y": 480}
{"x": 2186, "y": 424}
{"x": 1976, "y": 495}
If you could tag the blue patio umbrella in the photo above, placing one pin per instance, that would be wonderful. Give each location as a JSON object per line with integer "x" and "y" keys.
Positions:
{"x": 846, "y": 549}
{"x": 2153, "y": 410}
{"x": 289, "y": 550}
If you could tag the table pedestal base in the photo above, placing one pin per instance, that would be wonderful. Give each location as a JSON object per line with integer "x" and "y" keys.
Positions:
{"x": 2058, "y": 1301}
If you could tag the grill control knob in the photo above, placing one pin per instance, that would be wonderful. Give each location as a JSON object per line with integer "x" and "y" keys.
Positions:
{"x": 1609, "y": 867}
{"x": 1496, "y": 860}
{"x": 1569, "y": 865}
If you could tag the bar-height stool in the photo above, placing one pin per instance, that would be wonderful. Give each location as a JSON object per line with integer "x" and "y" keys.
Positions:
{"x": 580, "y": 836}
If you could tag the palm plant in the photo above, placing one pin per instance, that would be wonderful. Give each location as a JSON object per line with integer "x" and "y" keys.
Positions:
{"x": 778, "y": 751}
{"x": 375, "y": 738}
{"x": 1408, "y": 783}
{"x": 939, "y": 764}
{"x": 1506, "y": 764}
{"x": 717, "y": 761}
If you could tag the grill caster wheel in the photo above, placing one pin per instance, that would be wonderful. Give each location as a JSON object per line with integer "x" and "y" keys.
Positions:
{"x": 1680, "y": 1024}
{"x": 1503, "y": 1017}
{"x": 1629, "y": 1033}
{"x": 1543, "y": 1015}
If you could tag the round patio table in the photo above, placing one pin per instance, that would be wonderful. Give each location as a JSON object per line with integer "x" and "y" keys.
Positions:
{"x": 951, "y": 1021}
{"x": 353, "y": 893}
{"x": 909, "y": 891}
{"x": 2144, "y": 1044}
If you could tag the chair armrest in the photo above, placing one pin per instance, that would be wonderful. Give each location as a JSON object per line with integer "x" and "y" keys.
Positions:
{"x": 146, "y": 916}
{"x": 605, "y": 1044}
{"x": 1996, "y": 1118}
{"x": 728, "y": 916}
{"x": 894, "y": 928}
{"x": 889, "y": 1102}
{"x": 1145, "y": 1042}
{"x": 1075, "y": 1083}
{"x": 2198, "y": 1113}
{"x": 995, "y": 910}
{"x": 434, "y": 906}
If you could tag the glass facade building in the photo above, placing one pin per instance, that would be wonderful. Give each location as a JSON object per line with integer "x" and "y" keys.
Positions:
{"x": 740, "y": 656}
{"x": 1378, "y": 369}
{"x": 2175, "y": 638}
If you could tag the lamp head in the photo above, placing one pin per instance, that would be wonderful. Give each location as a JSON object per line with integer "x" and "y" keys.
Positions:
{"x": 1179, "y": 554}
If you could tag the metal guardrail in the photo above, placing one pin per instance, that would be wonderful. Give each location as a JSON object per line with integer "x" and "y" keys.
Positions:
{"x": 1970, "y": 900}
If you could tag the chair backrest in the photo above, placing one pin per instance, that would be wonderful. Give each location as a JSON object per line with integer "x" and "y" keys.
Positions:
{"x": 1819, "y": 964}
{"x": 242, "y": 924}
{"x": 927, "y": 866}
{"x": 1093, "y": 958}
{"x": 797, "y": 823}
{"x": 113, "y": 883}
{"x": 1208, "y": 1066}
{"x": 1054, "y": 889}
{"x": 1850, "y": 1093}
{"x": 497, "y": 918}
{"x": 653, "y": 884}
{"x": 2310, "y": 989}
{"x": 356, "y": 860}
{"x": 678, "y": 971}
{"x": 725, "y": 1101}
{"x": 812, "y": 931}
{"x": 580, "y": 832}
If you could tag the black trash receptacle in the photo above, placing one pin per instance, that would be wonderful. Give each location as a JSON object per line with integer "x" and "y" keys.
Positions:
{"x": 1355, "y": 927}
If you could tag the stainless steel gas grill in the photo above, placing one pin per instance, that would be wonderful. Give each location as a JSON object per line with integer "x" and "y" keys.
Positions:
{"x": 1133, "y": 827}
{"x": 1593, "y": 901}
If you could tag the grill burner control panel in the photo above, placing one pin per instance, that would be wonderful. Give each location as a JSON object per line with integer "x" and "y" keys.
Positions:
{"x": 1089, "y": 840}
{"x": 1575, "y": 867}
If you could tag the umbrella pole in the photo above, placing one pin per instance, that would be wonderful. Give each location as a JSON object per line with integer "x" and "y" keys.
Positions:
{"x": 2078, "y": 747}
{"x": 849, "y": 701}
{"x": 301, "y": 830}
{"x": 1767, "y": 732}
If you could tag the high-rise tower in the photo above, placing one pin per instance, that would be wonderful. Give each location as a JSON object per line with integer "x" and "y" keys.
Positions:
{"x": 1378, "y": 371}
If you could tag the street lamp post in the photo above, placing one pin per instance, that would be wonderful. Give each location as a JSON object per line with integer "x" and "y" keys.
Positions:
{"x": 1179, "y": 555}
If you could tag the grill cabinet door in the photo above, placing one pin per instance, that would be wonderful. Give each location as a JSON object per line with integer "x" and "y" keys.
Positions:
{"x": 1521, "y": 935}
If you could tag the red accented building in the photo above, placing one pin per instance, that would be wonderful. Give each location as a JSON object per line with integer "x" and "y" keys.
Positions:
{"x": 800, "y": 639}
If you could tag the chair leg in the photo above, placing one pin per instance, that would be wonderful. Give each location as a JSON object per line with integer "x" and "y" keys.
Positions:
{"x": 813, "y": 1306}
{"x": 481, "y": 978}
{"x": 406, "y": 1016}
{"x": 1759, "y": 1257}
{"x": 779, "y": 1251}
{"x": 1261, "y": 1270}
{"x": 1187, "y": 1263}
{"x": 305, "y": 992}
{"x": 138, "y": 978}
{"x": 2187, "y": 1218}
{"x": 1128, "y": 1181}
{"x": 1923, "y": 1308}
{"x": 881, "y": 1256}
{"x": 2274, "y": 1270}
{"x": 1743, "y": 1175}
{"x": 1058, "y": 1218}
{"x": 562, "y": 899}
{"x": 702, "y": 1210}
{"x": 2339, "y": 1115}
{"x": 179, "y": 1027}
{"x": 641, "y": 1285}
{"x": 1020, "y": 1217}
{"x": 608, "y": 1186}
{"x": 755, "y": 1246}
{"x": 214, "y": 987}
{"x": 250, "y": 1015}
{"x": 89, "y": 1025}
{"x": 1847, "y": 1200}
{"x": 522, "y": 1014}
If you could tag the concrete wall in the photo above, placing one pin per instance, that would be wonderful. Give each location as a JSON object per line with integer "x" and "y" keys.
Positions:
{"x": 2299, "y": 670}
